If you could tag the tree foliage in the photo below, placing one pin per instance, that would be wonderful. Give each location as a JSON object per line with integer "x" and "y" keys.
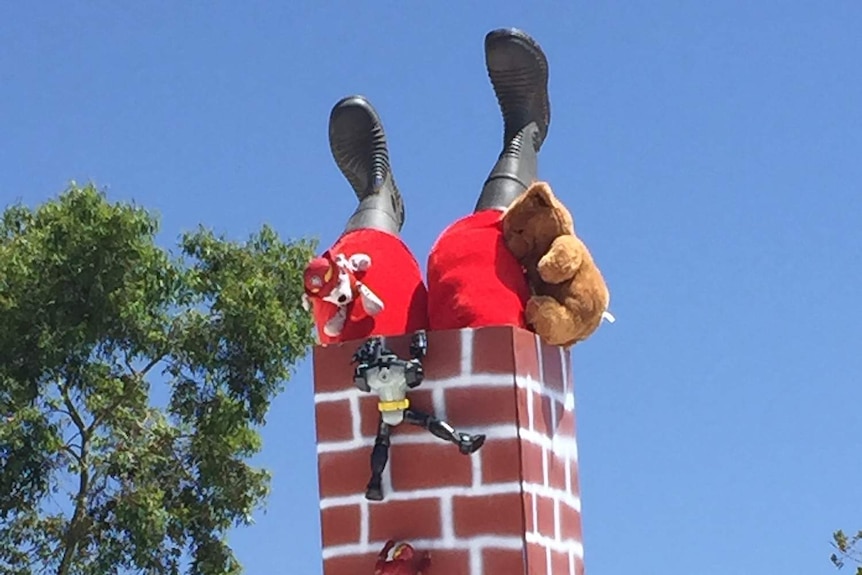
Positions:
{"x": 96, "y": 477}
{"x": 847, "y": 548}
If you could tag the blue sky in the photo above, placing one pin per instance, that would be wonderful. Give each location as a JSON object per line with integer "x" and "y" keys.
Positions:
{"x": 710, "y": 153}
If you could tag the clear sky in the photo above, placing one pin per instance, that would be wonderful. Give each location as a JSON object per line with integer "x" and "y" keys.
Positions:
{"x": 711, "y": 153}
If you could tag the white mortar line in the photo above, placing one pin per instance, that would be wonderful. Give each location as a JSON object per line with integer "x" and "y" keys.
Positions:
{"x": 568, "y": 499}
{"x": 565, "y": 546}
{"x": 545, "y": 468}
{"x": 541, "y": 360}
{"x": 548, "y": 561}
{"x": 557, "y": 532}
{"x": 476, "y": 380}
{"x": 504, "y": 431}
{"x": 438, "y": 399}
{"x": 476, "y": 560}
{"x": 539, "y": 387}
{"x": 447, "y": 519}
{"x": 571, "y": 562}
{"x": 466, "y": 352}
{"x": 553, "y": 430}
{"x": 386, "y": 479}
{"x": 489, "y": 489}
{"x": 565, "y": 447}
{"x": 364, "y": 522}
{"x": 476, "y": 460}
{"x": 356, "y": 416}
{"x": 461, "y": 544}
{"x": 535, "y": 511}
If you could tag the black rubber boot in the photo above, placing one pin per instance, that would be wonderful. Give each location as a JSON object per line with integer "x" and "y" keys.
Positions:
{"x": 518, "y": 70}
{"x": 358, "y": 145}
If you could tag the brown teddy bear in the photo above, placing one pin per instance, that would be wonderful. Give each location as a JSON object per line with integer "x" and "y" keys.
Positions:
{"x": 570, "y": 295}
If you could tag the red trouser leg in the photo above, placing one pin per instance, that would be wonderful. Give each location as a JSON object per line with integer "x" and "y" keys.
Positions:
{"x": 473, "y": 279}
{"x": 394, "y": 276}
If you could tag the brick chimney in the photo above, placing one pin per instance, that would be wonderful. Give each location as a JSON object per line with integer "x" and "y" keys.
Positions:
{"x": 512, "y": 508}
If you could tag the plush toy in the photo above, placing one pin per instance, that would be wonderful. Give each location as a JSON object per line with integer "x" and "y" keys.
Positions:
{"x": 570, "y": 295}
{"x": 334, "y": 280}
{"x": 401, "y": 559}
{"x": 368, "y": 283}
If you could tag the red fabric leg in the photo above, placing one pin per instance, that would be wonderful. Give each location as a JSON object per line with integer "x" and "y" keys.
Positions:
{"x": 394, "y": 276}
{"x": 473, "y": 278}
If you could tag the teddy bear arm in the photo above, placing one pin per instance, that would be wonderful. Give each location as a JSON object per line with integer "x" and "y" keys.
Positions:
{"x": 562, "y": 260}
{"x": 552, "y": 321}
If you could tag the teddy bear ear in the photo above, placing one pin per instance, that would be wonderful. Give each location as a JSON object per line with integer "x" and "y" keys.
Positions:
{"x": 540, "y": 195}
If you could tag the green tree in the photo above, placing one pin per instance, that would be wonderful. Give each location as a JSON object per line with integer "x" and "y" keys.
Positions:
{"x": 847, "y": 548}
{"x": 95, "y": 478}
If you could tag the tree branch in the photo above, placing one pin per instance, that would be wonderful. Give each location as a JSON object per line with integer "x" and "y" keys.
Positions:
{"x": 76, "y": 524}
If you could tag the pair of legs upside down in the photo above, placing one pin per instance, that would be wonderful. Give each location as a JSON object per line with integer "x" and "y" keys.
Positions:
{"x": 369, "y": 283}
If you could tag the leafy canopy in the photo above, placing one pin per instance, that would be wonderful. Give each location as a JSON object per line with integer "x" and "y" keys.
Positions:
{"x": 847, "y": 548}
{"x": 94, "y": 478}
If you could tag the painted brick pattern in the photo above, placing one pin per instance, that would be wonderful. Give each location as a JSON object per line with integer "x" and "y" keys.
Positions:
{"x": 512, "y": 508}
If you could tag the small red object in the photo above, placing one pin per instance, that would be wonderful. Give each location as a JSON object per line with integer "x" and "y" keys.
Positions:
{"x": 401, "y": 559}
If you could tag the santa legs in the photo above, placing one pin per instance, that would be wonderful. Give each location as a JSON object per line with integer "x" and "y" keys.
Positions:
{"x": 369, "y": 283}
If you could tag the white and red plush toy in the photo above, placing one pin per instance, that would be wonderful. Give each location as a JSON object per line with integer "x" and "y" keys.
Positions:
{"x": 336, "y": 281}
{"x": 352, "y": 299}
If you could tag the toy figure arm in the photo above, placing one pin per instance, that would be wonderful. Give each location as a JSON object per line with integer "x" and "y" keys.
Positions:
{"x": 563, "y": 259}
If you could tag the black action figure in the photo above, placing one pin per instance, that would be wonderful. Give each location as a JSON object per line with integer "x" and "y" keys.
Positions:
{"x": 381, "y": 371}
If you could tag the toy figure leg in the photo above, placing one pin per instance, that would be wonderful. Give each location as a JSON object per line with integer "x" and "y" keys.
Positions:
{"x": 379, "y": 458}
{"x": 518, "y": 70}
{"x": 358, "y": 144}
{"x": 466, "y": 443}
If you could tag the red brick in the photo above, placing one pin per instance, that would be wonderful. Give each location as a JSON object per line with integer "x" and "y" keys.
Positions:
{"x": 333, "y": 420}
{"x": 417, "y": 466}
{"x": 443, "y": 562}
{"x": 420, "y": 399}
{"x": 559, "y": 562}
{"x": 552, "y": 368}
{"x": 566, "y": 425}
{"x": 333, "y": 370}
{"x": 526, "y": 354}
{"x": 350, "y": 564}
{"x": 570, "y": 523}
{"x": 537, "y": 560}
{"x": 405, "y": 520}
{"x": 529, "y": 525}
{"x": 573, "y": 471}
{"x": 545, "y": 516}
{"x": 501, "y": 461}
{"x": 340, "y": 525}
{"x": 344, "y": 472}
{"x": 557, "y": 471}
{"x": 444, "y": 355}
{"x": 531, "y": 463}
{"x": 579, "y": 566}
{"x": 503, "y": 561}
{"x": 523, "y": 415}
{"x": 488, "y": 515}
{"x": 492, "y": 350}
{"x": 478, "y": 406}
{"x": 541, "y": 414}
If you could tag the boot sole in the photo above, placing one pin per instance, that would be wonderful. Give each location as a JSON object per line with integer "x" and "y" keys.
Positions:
{"x": 356, "y": 137}
{"x": 518, "y": 70}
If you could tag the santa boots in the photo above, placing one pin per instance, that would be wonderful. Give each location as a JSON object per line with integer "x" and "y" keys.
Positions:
{"x": 518, "y": 71}
{"x": 358, "y": 145}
